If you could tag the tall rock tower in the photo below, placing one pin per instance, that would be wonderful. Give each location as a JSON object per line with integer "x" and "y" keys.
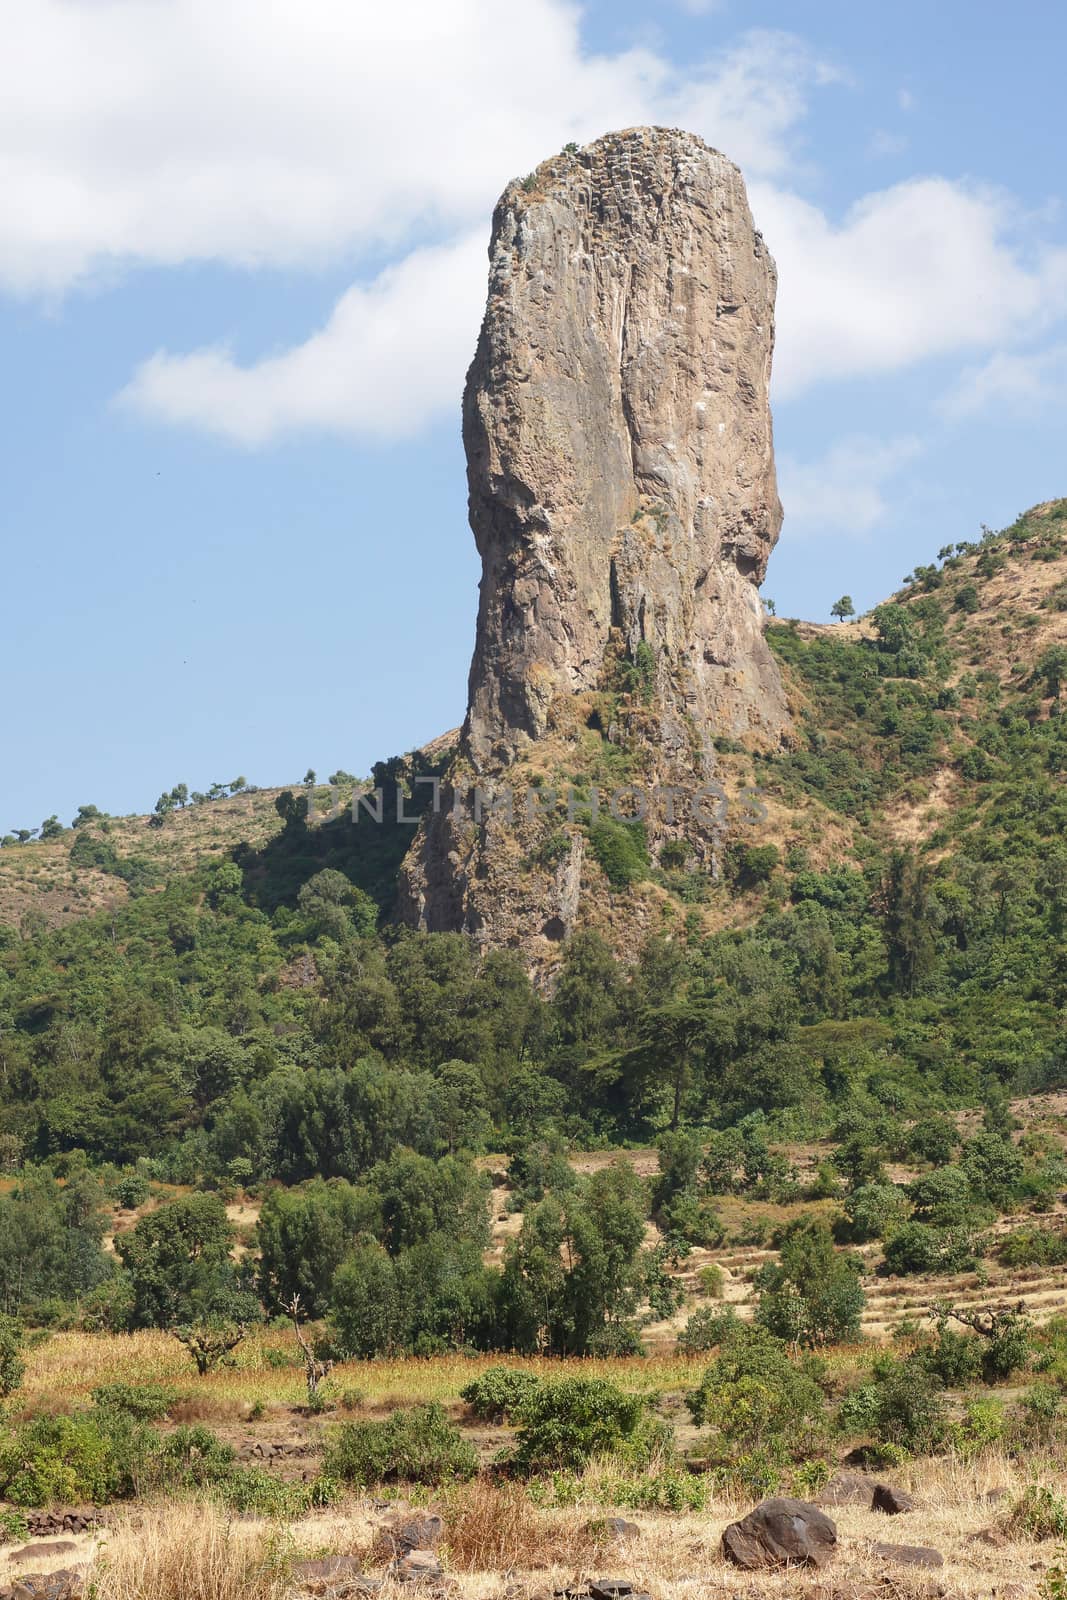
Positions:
{"x": 623, "y": 500}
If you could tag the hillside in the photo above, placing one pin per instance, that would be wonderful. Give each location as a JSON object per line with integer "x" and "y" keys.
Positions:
{"x": 761, "y": 1176}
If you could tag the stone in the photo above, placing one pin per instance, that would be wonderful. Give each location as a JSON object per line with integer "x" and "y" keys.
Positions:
{"x": 416, "y": 1533}
{"x": 615, "y": 1528}
{"x": 909, "y": 1555}
{"x": 780, "y": 1533}
{"x": 416, "y": 1567}
{"x": 892, "y": 1501}
{"x": 64, "y": 1584}
{"x": 623, "y": 500}
{"x": 611, "y": 1588}
{"x": 847, "y": 1489}
{"x": 44, "y": 1551}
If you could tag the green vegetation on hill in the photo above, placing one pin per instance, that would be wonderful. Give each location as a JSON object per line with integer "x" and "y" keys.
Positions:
{"x": 254, "y": 1021}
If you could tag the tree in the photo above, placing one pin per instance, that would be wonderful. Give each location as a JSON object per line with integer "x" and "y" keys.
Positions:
{"x": 315, "y": 1369}
{"x": 12, "y": 1365}
{"x": 812, "y": 1295}
{"x": 51, "y": 828}
{"x": 305, "y": 1234}
{"x": 309, "y": 777}
{"x": 843, "y": 608}
{"x": 181, "y": 1273}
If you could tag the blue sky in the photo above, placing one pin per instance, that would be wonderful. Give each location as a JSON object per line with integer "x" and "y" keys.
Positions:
{"x": 242, "y": 261}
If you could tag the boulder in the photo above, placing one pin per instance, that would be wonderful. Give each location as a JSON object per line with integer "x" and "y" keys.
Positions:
{"x": 44, "y": 1551}
{"x": 614, "y": 1528}
{"x": 418, "y": 1566}
{"x": 847, "y": 1489}
{"x": 416, "y": 1533}
{"x": 780, "y": 1533}
{"x": 909, "y": 1555}
{"x": 892, "y": 1501}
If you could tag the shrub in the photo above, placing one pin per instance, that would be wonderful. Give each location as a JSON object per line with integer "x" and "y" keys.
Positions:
{"x": 621, "y": 848}
{"x": 1039, "y": 1513}
{"x": 954, "y": 1360}
{"x": 711, "y": 1281}
{"x": 564, "y": 1425}
{"x": 918, "y": 1248}
{"x": 756, "y": 1397}
{"x": 13, "y": 1527}
{"x": 498, "y": 1394}
{"x": 901, "y": 1407}
{"x": 69, "y": 1459}
{"x": 415, "y": 1445}
{"x": 708, "y": 1327}
{"x": 148, "y": 1402}
{"x": 981, "y": 1426}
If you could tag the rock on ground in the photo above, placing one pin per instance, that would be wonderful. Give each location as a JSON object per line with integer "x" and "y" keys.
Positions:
{"x": 780, "y": 1533}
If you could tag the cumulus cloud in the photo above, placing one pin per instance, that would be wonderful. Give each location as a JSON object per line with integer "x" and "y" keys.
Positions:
{"x": 922, "y": 269}
{"x": 386, "y": 363}
{"x": 842, "y": 492}
{"x": 136, "y": 133}
{"x": 287, "y": 134}
{"x": 1016, "y": 383}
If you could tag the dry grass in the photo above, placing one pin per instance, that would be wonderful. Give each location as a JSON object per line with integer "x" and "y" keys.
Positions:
{"x": 73, "y": 1364}
{"x": 189, "y": 1551}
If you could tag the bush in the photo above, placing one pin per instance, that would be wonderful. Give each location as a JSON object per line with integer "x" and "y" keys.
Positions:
{"x": 708, "y": 1327}
{"x": 148, "y": 1402}
{"x": 416, "y": 1445}
{"x": 1039, "y": 1513}
{"x": 901, "y": 1407}
{"x": 954, "y": 1360}
{"x": 14, "y": 1528}
{"x": 711, "y": 1281}
{"x": 564, "y": 1425}
{"x": 69, "y": 1460}
{"x": 499, "y": 1393}
{"x": 621, "y": 848}
{"x": 757, "y": 1398}
{"x": 918, "y": 1248}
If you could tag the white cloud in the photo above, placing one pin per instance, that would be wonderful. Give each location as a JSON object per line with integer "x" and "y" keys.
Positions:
{"x": 389, "y": 359}
{"x": 155, "y": 132}
{"x": 925, "y": 268}
{"x": 1020, "y": 383}
{"x": 284, "y": 133}
{"x": 842, "y": 491}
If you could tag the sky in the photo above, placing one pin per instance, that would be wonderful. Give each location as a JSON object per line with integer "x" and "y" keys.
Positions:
{"x": 242, "y": 265}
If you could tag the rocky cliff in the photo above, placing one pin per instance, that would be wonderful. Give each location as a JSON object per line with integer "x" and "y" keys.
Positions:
{"x": 622, "y": 496}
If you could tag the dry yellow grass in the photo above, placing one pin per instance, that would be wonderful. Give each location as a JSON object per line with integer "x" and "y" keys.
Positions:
{"x": 494, "y": 1537}
{"x": 73, "y": 1364}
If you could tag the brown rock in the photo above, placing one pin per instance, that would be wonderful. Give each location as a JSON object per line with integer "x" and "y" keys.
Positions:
{"x": 847, "y": 1489}
{"x": 417, "y": 1566}
{"x": 416, "y": 1533}
{"x": 623, "y": 501}
{"x": 43, "y": 1551}
{"x": 892, "y": 1501}
{"x": 910, "y": 1555}
{"x": 781, "y": 1533}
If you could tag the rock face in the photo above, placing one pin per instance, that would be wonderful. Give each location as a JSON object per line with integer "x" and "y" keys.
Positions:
{"x": 618, "y": 440}
{"x": 623, "y": 500}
